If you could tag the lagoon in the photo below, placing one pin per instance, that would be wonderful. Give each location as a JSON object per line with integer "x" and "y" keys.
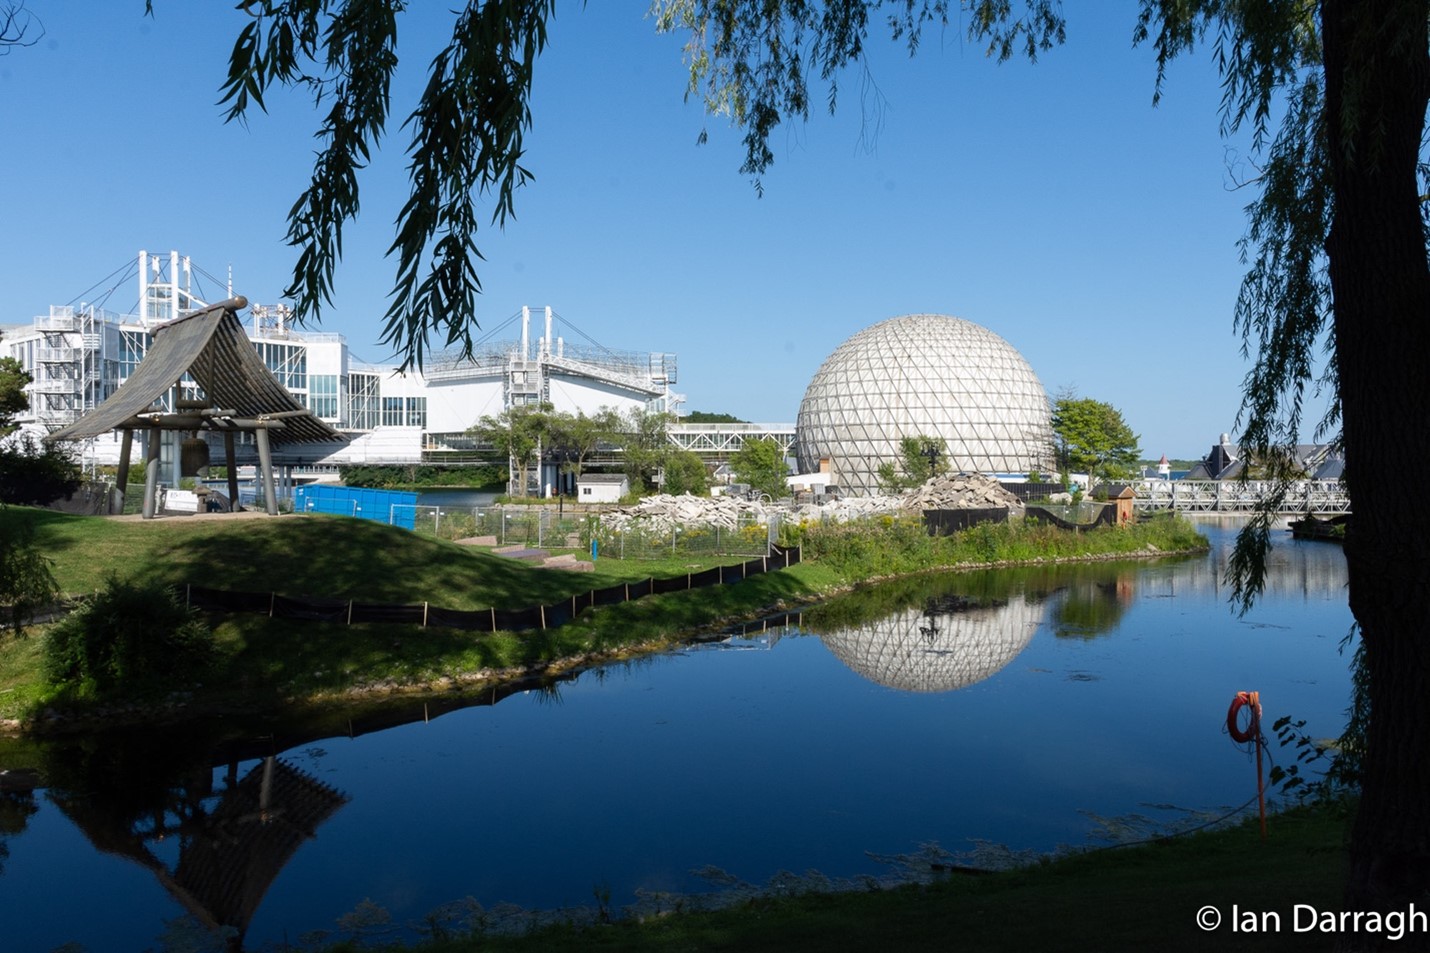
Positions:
{"x": 1028, "y": 709}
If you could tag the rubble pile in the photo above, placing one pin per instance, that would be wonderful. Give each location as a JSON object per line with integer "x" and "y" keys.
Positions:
{"x": 950, "y": 492}
{"x": 664, "y": 512}
{"x": 850, "y": 508}
{"x": 962, "y": 491}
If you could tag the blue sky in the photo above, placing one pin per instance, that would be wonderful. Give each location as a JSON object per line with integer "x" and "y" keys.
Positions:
{"x": 1051, "y": 203}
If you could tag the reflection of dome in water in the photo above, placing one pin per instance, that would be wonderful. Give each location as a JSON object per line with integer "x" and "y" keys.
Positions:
{"x": 914, "y": 652}
{"x": 923, "y": 375}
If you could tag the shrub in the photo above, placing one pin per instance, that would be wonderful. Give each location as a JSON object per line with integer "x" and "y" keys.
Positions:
{"x": 36, "y": 474}
{"x": 128, "y": 636}
{"x": 26, "y": 583}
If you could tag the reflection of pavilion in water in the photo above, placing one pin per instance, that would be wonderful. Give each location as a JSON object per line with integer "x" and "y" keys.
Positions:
{"x": 938, "y": 648}
{"x": 230, "y": 852}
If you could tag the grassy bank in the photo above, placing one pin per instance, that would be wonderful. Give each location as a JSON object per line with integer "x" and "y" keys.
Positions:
{"x": 272, "y": 664}
{"x": 1132, "y": 898}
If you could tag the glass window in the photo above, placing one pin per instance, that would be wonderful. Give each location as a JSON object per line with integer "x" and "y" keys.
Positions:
{"x": 288, "y": 362}
{"x": 364, "y": 407}
{"x": 417, "y": 411}
{"x": 392, "y": 411}
{"x": 132, "y": 345}
{"x": 323, "y": 395}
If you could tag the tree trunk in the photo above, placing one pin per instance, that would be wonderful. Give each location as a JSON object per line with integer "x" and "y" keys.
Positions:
{"x": 1377, "y": 84}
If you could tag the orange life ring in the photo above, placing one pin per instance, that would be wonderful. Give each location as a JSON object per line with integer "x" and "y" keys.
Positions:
{"x": 1253, "y": 727}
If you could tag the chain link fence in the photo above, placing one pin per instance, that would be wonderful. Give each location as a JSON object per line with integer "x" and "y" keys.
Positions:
{"x": 536, "y": 526}
{"x": 548, "y": 528}
{"x": 658, "y": 539}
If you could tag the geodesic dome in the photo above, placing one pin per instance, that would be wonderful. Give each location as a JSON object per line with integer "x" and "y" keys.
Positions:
{"x": 923, "y": 375}
{"x": 919, "y": 651}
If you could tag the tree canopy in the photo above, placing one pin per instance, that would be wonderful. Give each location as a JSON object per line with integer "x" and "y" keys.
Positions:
{"x": 1092, "y": 437}
{"x": 13, "y": 400}
{"x": 761, "y": 464}
{"x": 920, "y": 458}
{"x": 518, "y": 433}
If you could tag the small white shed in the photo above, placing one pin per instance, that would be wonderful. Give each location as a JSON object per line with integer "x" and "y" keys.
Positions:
{"x": 601, "y": 487}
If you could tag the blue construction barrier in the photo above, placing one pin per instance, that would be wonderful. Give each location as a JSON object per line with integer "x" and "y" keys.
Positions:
{"x": 394, "y": 507}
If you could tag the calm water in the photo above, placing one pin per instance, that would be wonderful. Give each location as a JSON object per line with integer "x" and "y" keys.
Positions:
{"x": 456, "y": 498}
{"x": 1006, "y": 707}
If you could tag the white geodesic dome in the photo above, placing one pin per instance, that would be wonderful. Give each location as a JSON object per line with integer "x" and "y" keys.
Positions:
{"x": 923, "y": 375}
{"x": 919, "y": 651}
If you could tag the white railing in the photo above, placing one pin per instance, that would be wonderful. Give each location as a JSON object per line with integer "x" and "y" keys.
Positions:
{"x": 1236, "y": 496}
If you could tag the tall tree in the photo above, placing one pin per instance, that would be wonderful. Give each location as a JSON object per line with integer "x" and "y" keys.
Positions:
{"x": 518, "y": 432}
{"x": 13, "y": 399}
{"x": 577, "y": 435}
{"x": 1093, "y": 437}
{"x": 920, "y": 458}
{"x": 645, "y": 445}
{"x": 1337, "y": 254}
{"x": 761, "y": 464}
{"x": 685, "y": 473}
{"x": 1336, "y": 243}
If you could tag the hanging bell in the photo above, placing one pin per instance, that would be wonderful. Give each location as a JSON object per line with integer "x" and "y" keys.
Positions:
{"x": 193, "y": 456}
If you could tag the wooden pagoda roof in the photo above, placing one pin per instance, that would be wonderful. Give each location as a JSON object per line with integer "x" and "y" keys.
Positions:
{"x": 239, "y": 391}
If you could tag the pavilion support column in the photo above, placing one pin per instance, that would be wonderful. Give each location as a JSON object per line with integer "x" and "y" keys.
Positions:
{"x": 151, "y": 472}
{"x": 126, "y": 447}
{"x": 229, "y": 460}
{"x": 265, "y": 467}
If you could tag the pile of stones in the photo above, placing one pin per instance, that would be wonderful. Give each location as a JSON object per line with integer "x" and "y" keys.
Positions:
{"x": 949, "y": 492}
{"x": 664, "y": 512}
{"x": 962, "y": 491}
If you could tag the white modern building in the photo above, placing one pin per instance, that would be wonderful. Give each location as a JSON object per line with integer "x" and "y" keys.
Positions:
{"x": 79, "y": 355}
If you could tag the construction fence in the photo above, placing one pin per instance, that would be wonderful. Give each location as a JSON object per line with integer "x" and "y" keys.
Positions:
{"x": 549, "y": 527}
{"x": 548, "y": 616}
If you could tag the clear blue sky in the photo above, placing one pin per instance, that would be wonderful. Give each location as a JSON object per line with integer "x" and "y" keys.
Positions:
{"x": 1050, "y": 203}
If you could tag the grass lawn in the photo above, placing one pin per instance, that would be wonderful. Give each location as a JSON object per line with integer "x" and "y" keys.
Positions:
{"x": 271, "y": 662}
{"x": 275, "y": 664}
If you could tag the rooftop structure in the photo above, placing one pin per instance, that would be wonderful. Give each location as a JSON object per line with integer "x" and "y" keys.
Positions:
{"x": 79, "y": 355}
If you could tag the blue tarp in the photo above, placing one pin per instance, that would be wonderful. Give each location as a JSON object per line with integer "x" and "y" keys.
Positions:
{"x": 397, "y": 507}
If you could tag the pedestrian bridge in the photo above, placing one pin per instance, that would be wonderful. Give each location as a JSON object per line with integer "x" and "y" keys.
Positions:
{"x": 1236, "y": 496}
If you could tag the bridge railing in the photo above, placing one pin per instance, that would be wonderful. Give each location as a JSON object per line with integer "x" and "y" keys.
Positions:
{"x": 1234, "y": 496}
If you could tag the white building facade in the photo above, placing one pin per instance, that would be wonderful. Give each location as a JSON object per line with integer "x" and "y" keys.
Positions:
{"x": 79, "y": 355}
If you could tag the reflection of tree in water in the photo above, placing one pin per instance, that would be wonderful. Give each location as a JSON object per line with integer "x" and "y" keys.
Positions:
{"x": 1093, "y": 605}
{"x": 945, "y": 644}
{"x": 130, "y": 795}
{"x": 17, "y": 806}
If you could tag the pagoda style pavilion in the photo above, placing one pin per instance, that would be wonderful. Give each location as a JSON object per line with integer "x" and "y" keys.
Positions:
{"x": 237, "y": 393}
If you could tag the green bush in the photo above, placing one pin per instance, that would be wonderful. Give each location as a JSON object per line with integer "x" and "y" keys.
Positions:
{"x": 26, "y": 582}
{"x": 887, "y": 545}
{"x": 128, "y": 636}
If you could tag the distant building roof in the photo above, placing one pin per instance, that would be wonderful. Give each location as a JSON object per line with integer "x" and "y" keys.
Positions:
{"x": 612, "y": 478}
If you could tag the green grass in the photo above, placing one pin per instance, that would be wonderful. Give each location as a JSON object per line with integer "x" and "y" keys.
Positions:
{"x": 281, "y": 665}
{"x": 319, "y": 556}
{"x": 275, "y": 663}
{"x": 1136, "y": 898}
{"x": 902, "y": 545}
